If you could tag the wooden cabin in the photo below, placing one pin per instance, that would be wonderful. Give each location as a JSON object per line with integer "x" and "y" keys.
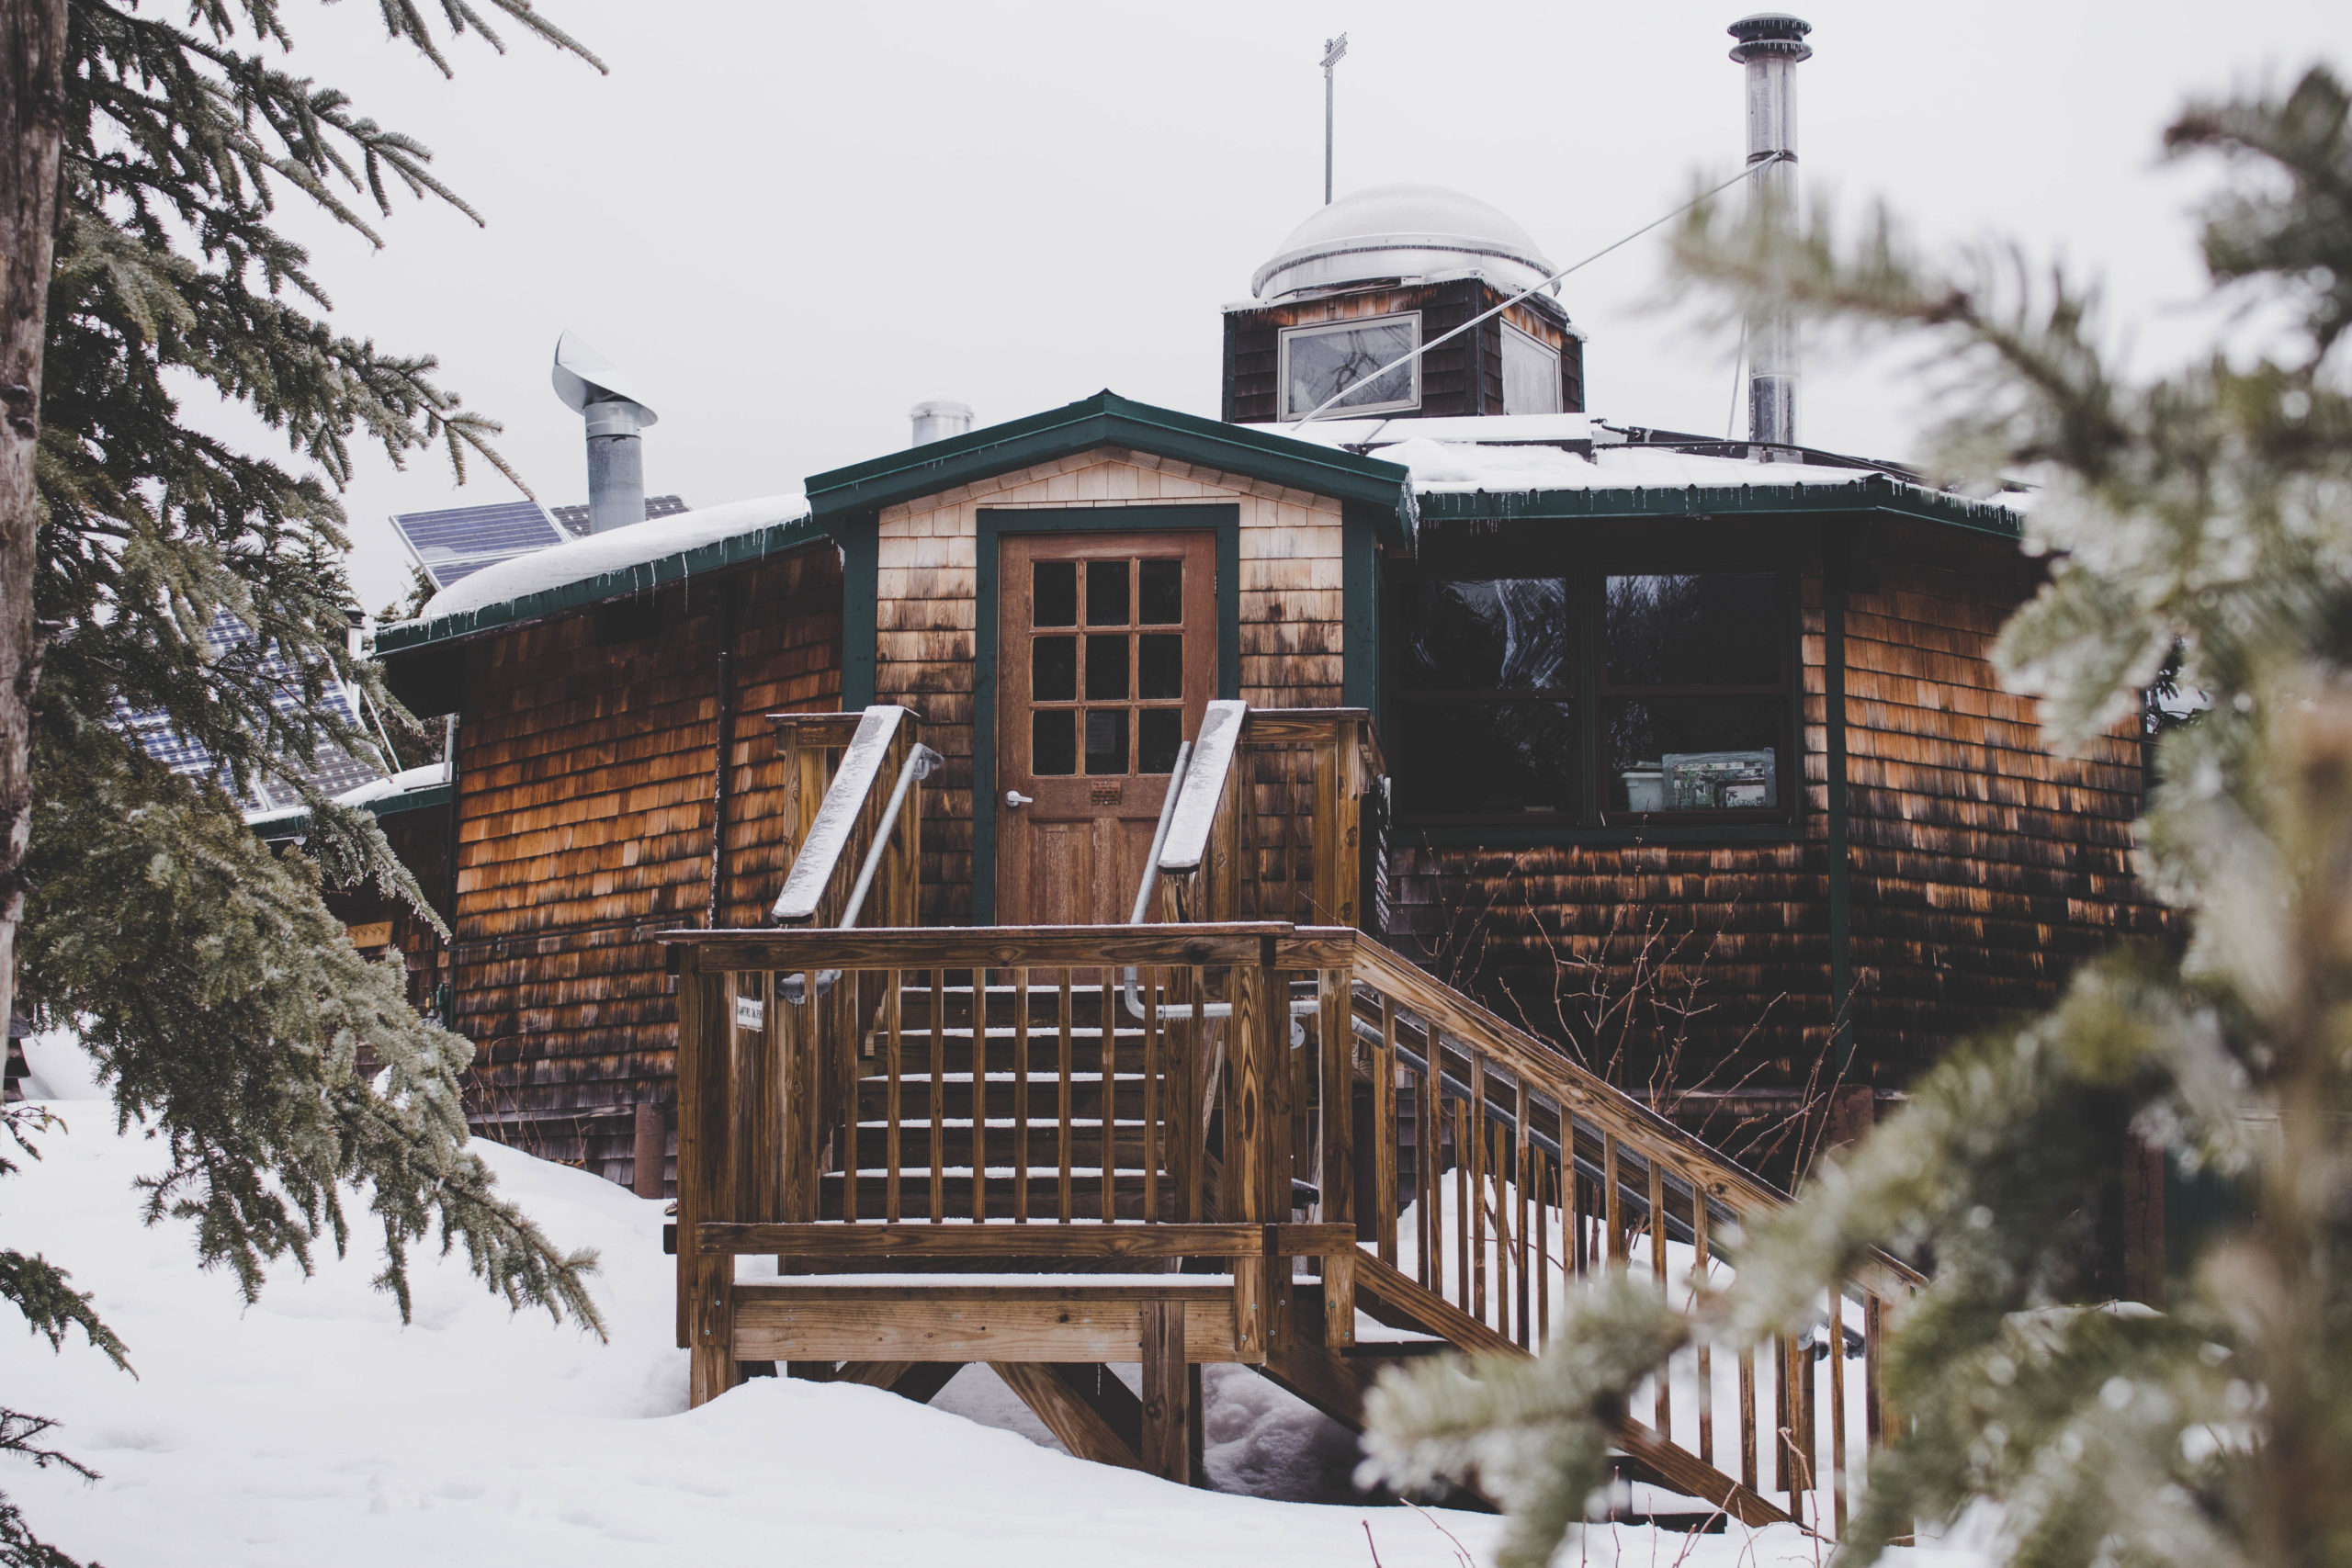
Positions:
{"x": 1685, "y": 756}
{"x": 1119, "y": 885}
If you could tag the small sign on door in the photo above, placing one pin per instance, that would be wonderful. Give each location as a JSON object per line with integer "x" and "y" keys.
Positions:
{"x": 751, "y": 1013}
{"x": 375, "y": 933}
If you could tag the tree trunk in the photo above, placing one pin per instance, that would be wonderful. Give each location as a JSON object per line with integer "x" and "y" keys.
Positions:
{"x": 32, "y": 105}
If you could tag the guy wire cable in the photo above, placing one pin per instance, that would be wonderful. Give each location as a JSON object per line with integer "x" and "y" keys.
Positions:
{"x": 1319, "y": 409}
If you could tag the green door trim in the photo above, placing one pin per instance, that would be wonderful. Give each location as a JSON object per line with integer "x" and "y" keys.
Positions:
{"x": 994, "y": 523}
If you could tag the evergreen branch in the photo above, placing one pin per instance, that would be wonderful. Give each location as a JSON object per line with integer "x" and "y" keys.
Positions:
{"x": 52, "y": 1308}
{"x": 20, "y": 1434}
{"x": 238, "y": 1040}
{"x": 1532, "y": 1436}
{"x": 2296, "y": 235}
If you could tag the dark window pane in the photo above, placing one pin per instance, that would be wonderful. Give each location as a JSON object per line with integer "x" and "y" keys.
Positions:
{"x": 1511, "y": 634}
{"x": 1716, "y": 629}
{"x": 1052, "y": 669}
{"x": 1107, "y": 740}
{"x": 1106, "y": 593}
{"x": 1106, "y": 669}
{"x": 1469, "y": 759}
{"x": 1159, "y": 592}
{"x": 1695, "y": 753}
{"x": 1053, "y": 733}
{"x": 1158, "y": 731}
{"x": 1053, "y": 596}
{"x": 1159, "y": 665}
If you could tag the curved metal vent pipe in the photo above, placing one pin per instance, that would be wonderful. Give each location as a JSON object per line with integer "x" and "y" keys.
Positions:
{"x": 591, "y": 387}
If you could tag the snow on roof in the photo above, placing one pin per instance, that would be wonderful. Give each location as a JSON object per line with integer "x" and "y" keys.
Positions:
{"x": 1400, "y": 231}
{"x": 1520, "y": 453}
{"x": 615, "y": 551}
{"x": 378, "y": 793}
{"x": 402, "y": 782}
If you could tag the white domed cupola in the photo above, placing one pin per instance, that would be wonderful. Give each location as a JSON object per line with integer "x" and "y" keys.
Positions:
{"x": 1402, "y": 231}
{"x": 1374, "y": 276}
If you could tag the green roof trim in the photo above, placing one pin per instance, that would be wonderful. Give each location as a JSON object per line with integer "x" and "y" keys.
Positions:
{"x": 1107, "y": 419}
{"x": 750, "y": 544}
{"x": 1875, "y": 493}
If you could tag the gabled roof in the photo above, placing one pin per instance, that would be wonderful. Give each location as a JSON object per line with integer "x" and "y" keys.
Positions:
{"x": 1107, "y": 419}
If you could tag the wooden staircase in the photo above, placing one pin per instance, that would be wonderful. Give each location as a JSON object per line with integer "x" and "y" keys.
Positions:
{"x": 1039, "y": 1066}
{"x": 1197, "y": 1139}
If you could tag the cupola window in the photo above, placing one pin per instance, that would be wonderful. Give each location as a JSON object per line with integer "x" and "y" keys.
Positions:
{"x": 1531, "y": 373}
{"x": 1317, "y": 362}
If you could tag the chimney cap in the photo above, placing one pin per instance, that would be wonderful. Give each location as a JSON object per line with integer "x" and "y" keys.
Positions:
{"x": 582, "y": 376}
{"x": 1768, "y": 33}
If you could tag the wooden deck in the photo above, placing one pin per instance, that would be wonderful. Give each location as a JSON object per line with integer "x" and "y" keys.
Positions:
{"x": 1194, "y": 1140}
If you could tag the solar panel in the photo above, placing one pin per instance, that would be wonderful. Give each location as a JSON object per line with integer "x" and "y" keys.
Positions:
{"x": 333, "y": 770}
{"x": 576, "y": 517}
{"x": 453, "y": 544}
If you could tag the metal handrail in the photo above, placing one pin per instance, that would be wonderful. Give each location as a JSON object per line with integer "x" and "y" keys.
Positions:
{"x": 920, "y": 764}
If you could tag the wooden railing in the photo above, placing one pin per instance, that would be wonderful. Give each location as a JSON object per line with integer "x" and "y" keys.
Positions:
{"x": 851, "y": 781}
{"x": 1272, "y": 818}
{"x": 954, "y": 1079}
{"x": 1482, "y": 1173}
{"x": 1291, "y": 1103}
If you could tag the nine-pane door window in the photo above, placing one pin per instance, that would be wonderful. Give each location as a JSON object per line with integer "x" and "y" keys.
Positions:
{"x": 1108, "y": 692}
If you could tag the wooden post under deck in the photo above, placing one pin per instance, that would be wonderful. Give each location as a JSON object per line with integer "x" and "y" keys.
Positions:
{"x": 706, "y": 1306}
{"x": 1168, "y": 1413}
{"x": 1245, "y": 1177}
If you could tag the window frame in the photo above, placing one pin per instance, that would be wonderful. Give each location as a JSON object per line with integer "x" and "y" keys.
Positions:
{"x": 1556, "y": 357}
{"x": 1595, "y": 819}
{"x": 1288, "y": 335}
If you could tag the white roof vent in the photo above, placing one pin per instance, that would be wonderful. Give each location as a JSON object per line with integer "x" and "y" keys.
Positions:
{"x": 939, "y": 419}
{"x": 1402, "y": 230}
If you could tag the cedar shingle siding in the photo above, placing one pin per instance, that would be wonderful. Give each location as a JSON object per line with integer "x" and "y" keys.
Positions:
{"x": 585, "y": 772}
{"x": 1983, "y": 867}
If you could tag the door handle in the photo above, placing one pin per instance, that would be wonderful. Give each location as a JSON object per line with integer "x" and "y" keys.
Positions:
{"x": 1015, "y": 797}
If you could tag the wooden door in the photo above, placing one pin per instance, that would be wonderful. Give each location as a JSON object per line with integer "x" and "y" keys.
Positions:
{"x": 1107, "y": 656}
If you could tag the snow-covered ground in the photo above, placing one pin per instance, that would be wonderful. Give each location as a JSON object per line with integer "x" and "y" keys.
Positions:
{"x": 313, "y": 1428}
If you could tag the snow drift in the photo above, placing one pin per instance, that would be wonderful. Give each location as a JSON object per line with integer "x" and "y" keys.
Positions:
{"x": 312, "y": 1427}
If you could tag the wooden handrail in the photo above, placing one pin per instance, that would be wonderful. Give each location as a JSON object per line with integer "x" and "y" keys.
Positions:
{"x": 984, "y": 947}
{"x": 829, "y": 845}
{"x": 1525, "y": 1057}
{"x": 1568, "y": 1084}
{"x": 844, "y": 1239}
{"x": 1190, "y": 824}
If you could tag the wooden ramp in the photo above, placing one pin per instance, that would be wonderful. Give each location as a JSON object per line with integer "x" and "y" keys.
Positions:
{"x": 1193, "y": 1140}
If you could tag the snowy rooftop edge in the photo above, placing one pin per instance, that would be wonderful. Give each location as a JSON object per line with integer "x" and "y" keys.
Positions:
{"x": 1524, "y": 453}
{"x": 654, "y": 550}
{"x": 408, "y": 781}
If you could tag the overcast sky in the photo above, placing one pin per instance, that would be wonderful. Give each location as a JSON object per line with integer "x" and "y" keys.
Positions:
{"x": 789, "y": 223}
